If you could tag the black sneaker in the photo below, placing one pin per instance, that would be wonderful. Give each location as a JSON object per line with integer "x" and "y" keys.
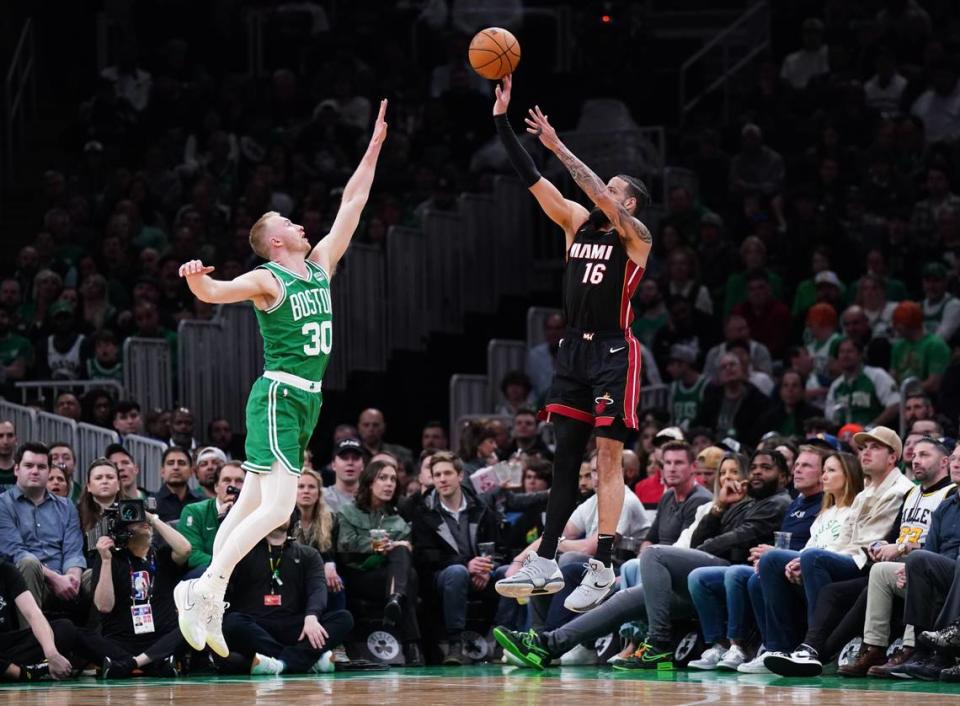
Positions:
{"x": 926, "y": 666}
{"x": 456, "y": 656}
{"x": 412, "y": 655}
{"x": 948, "y": 637}
{"x": 393, "y": 611}
{"x": 165, "y": 668}
{"x": 35, "y": 672}
{"x": 117, "y": 668}
{"x": 802, "y": 662}
{"x": 524, "y": 647}
{"x": 649, "y": 657}
{"x": 951, "y": 674}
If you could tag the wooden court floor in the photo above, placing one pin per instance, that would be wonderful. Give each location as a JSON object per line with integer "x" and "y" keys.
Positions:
{"x": 488, "y": 686}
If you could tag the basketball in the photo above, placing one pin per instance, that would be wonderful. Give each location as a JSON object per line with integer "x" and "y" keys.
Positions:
{"x": 494, "y": 53}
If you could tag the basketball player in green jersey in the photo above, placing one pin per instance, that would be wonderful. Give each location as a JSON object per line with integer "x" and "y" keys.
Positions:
{"x": 291, "y": 296}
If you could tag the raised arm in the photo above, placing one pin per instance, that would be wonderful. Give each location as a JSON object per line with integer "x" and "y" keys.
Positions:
{"x": 329, "y": 250}
{"x": 633, "y": 233}
{"x": 257, "y": 286}
{"x": 567, "y": 214}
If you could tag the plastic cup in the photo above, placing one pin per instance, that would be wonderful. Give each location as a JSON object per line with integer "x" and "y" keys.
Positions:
{"x": 781, "y": 540}
{"x": 379, "y": 539}
{"x": 486, "y": 548}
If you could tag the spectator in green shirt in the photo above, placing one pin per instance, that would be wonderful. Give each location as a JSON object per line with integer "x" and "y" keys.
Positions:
{"x": 200, "y": 521}
{"x": 753, "y": 256}
{"x": 917, "y": 354}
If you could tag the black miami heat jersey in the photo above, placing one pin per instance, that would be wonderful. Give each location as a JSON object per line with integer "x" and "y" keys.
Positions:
{"x": 598, "y": 281}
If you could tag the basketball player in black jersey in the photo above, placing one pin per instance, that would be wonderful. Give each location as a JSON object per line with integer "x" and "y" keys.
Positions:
{"x": 597, "y": 381}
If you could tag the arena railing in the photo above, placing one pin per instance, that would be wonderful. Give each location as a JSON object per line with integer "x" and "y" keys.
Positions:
{"x": 503, "y": 356}
{"x": 479, "y": 257}
{"x": 37, "y": 390}
{"x": 240, "y": 359}
{"x": 147, "y": 372}
{"x": 406, "y": 281}
{"x": 24, "y": 420}
{"x": 148, "y": 455}
{"x": 92, "y": 441}
{"x": 522, "y": 240}
{"x": 201, "y": 360}
{"x": 53, "y": 427}
{"x": 469, "y": 394}
{"x": 445, "y": 279}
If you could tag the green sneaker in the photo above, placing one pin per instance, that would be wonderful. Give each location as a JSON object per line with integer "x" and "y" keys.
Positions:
{"x": 646, "y": 657}
{"x": 523, "y": 646}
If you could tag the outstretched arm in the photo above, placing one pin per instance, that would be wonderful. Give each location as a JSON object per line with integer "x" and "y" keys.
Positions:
{"x": 567, "y": 214}
{"x": 327, "y": 252}
{"x": 634, "y": 234}
{"x": 257, "y": 286}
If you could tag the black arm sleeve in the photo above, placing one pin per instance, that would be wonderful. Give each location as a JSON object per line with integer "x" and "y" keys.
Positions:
{"x": 519, "y": 159}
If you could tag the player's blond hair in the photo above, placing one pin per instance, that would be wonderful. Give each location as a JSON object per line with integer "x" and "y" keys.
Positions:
{"x": 258, "y": 235}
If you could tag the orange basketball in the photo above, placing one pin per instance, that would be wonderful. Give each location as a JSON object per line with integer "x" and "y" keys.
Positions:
{"x": 494, "y": 53}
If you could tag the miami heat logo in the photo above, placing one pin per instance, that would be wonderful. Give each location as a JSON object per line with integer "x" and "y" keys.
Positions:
{"x": 602, "y": 403}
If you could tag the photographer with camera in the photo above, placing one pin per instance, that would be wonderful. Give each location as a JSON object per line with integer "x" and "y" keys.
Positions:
{"x": 199, "y": 522}
{"x": 133, "y": 591}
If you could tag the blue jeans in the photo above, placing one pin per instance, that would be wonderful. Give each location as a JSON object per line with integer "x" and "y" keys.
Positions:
{"x": 755, "y": 589}
{"x": 453, "y": 585}
{"x": 739, "y": 614}
{"x": 782, "y": 627}
{"x": 630, "y": 574}
{"x": 706, "y": 586}
{"x": 821, "y": 567}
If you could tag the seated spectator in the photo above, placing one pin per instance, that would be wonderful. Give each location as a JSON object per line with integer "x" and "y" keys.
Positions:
{"x": 765, "y": 315}
{"x": 380, "y": 568}
{"x": 789, "y": 411}
{"x": 678, "y": 506}
{"x": 517, "y": 393}
{"x": 683, "y": 280}
{"x": 861, "y": 394}
{"x": 127, "y": 419}
{"x": 278, "y": 620}
{"x": 809, "y": 61}
{"x": 181, "y": 429}
{"x": 478, "y": 447}
{"x": 918, "y": 407}
{"x": 106, "y": 362}
{"x": 872, "y": 516}
{"x": 732, "y": 406}
{"x": 585, "y": 485}
{"x": 133, "y": 592}
{"x": 347, "y": 464}
{"x": 871, "y": 297}
{"x": 856, "y": 327}
{"x": 525, "y": 437}
{"x": 210, "y": 459}
{"x": 433, "y": 437}
{"x": 735, "y": 330}
{"x": 917, "y": 354}
{"x": 129, "y": 472}
{"x": 707, "y": 465}
{"x": 753, "y": 257}
{"x": 36, "y": 650}
{"x": 175, "y": 494}
{"x": 686, "y": 390}
{"x": 941, "y": 310}
{"x": 758, "y": 379}
{"x": 98, "y": 408}
{"x": 884, "y": 89}
{"x": 8, "y": 450}
{"x": 67, "y": 405}
{"x": 57, "y": 483}
{"x": 64, "y": 459}
{"x": 200, "y": 521}
{"x": 220, "y": 434}
{"x": 60, "y": 355}
{"x": 541, "y": 359}
{"x": 372, "y": 428}
{"x": 16, "y": 354}
{"x": 40, "y": 533}
{"x": 314, "y": 524}
{"x": 101, "y": 492}
{"x": 651, "y": 312}
{"x": 446, "y": 548}
{"x": 939, "y": 105}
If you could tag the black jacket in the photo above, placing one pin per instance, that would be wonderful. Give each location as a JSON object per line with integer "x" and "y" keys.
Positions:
{"x": 742, "y": 527}
{"x": 303, "y": 591}
{"x": 754, "y": 405}
{"x": 434, "y": 546}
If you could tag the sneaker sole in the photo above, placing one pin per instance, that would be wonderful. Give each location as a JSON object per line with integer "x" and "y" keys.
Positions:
{"x": 728, "y": 667}
{"x": 219, "y": 648}
{"x": 587, "y": 608}
{"x": 754, "y": 670}
{"x": 640, "y": 667}
{"x": 508, "y": 646}
{"x": 702, "y": 667}
{"x": 525, "y": 590}
{"x": 786, "y": 668}
{"x": 188, "y": 628}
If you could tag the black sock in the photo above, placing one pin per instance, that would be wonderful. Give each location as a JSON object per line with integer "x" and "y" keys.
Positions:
{"x": 572, "y": 437}
{"x": 604, "y": 549}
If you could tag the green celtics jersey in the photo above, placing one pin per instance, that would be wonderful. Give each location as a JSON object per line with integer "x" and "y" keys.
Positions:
{"x": 297, "y": 329}
{"x": 863, "y": 397}
{"x": 685, "y": 401}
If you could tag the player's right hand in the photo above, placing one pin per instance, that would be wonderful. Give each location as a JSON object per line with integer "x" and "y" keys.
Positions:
{"x": 503, "y": 95}
{"x": 195, "y": 268}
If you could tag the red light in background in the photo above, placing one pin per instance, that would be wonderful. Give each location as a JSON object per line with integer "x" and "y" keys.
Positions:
{"x": 606, "y": 19}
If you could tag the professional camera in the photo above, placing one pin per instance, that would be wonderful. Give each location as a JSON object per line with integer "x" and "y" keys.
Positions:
{"x": 117, "y": 518}
{"x": 233, "y": 490}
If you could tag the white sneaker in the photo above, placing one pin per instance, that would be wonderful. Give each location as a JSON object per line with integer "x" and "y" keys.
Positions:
{"x": 537, "y": 577}
{"x": 755, "y": 665}
{"x": 266, "y": 665}
{"x": 594, "y": 587}
{"x": 709, "y": 659}
{"x": 802, "y": 662}
{"x": 193, "y": 611}
{"x": 324, "y": 665}
{"x": 579, "y": 656}
{"x": 732, "y": 658}
{"x": 214, "y": 633}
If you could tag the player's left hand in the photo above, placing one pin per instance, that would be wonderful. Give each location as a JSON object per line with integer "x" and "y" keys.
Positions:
{"x": 537, "y": 124}
{"x": 314, "y": 632}
{"x": 380, "y": 126}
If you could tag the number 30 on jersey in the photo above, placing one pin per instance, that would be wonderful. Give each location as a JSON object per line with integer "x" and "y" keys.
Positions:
{"x": 321, "y": 337}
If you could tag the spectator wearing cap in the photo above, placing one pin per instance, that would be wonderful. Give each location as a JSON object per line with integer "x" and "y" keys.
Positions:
{"x": 60, "y": 355}
{"x": 791, "y": 409}
{"x": 766, "y": 316}
{"x": 829, "y": 289}
{"x": 732, "y": 406}
{"x": 873, "y": 513}
{"x": 209, "y": 460}
{"x": 347, "y": 464}
{"x": 941, "y": 310}
{"x": 861, "y": 394}
{"x": 806, "y": 293}
{"x": 686, "y": 390}
{"x": 808, "y": 62}
{"x": 917, "y": 354}
{"x": 708, "y": 465}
